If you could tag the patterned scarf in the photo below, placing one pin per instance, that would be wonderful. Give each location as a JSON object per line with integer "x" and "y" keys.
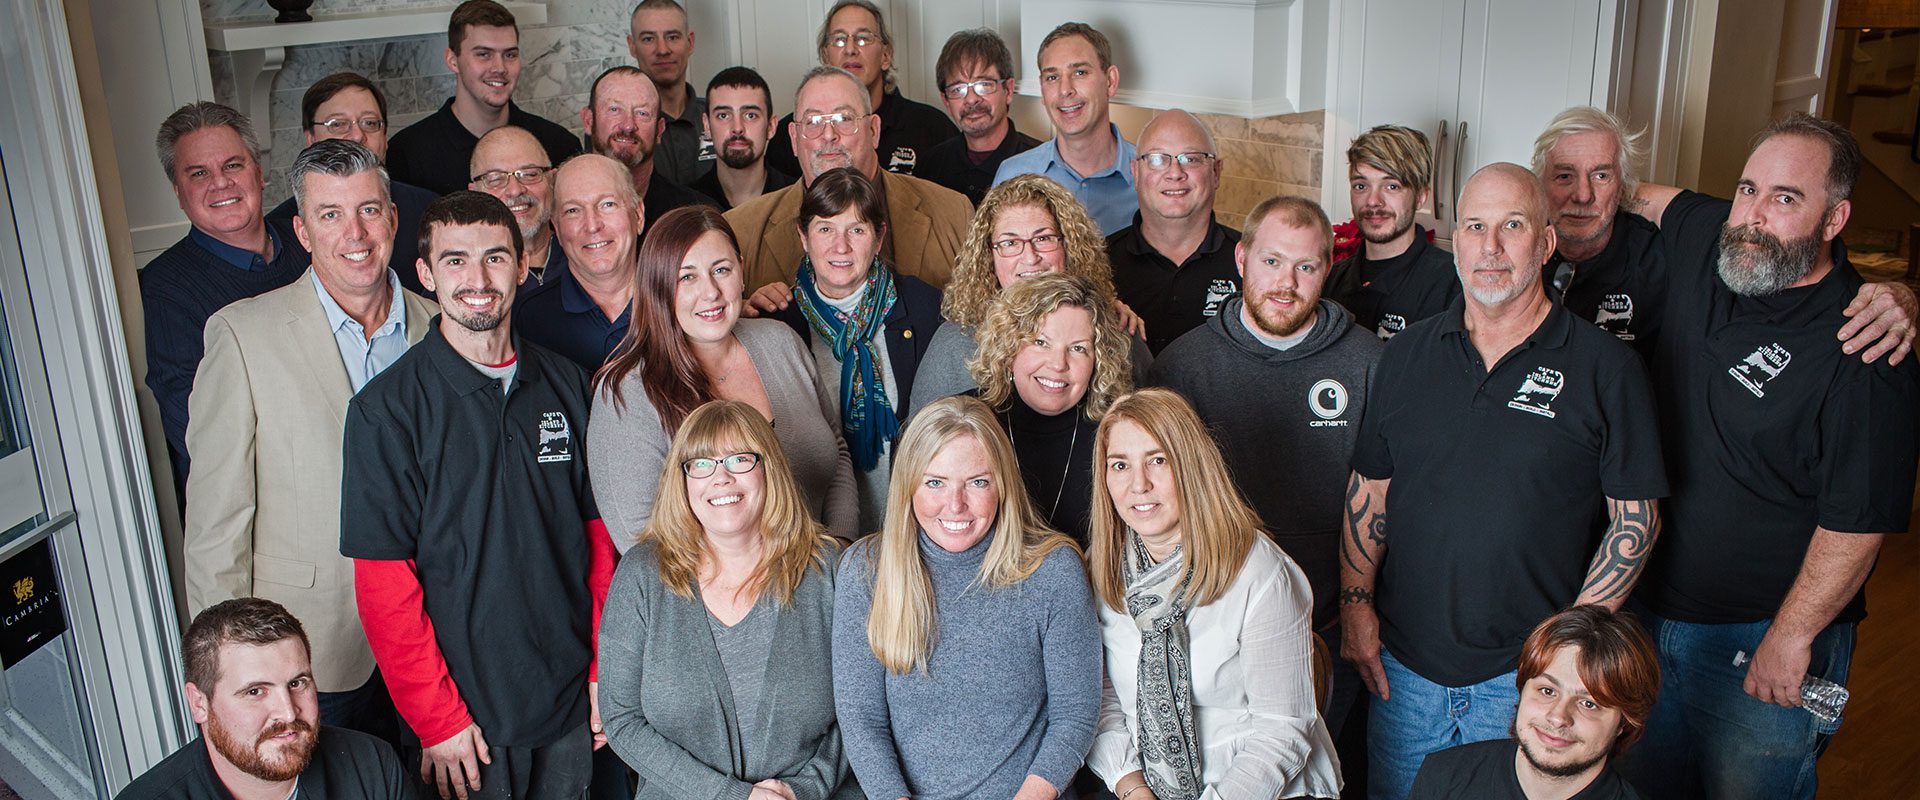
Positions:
{"x": 1169, "y": 746}
{"x": 865, "y": 417}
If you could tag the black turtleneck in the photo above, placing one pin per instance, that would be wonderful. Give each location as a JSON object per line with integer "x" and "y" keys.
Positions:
{"x": 1056, "y": 459}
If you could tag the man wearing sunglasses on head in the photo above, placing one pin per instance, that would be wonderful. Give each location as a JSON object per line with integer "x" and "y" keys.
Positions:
{"x": 975, "y": 70}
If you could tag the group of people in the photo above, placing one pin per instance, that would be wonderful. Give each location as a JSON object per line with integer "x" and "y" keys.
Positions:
{"x": 945, "y": 463}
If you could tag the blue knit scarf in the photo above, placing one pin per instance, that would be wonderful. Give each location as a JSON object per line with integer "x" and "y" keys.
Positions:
{"x": 865, "y": 417}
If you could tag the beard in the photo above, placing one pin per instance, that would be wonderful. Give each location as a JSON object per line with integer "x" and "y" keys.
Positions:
{"x": 1522, "y": 280}
{"x": 1599, "y": 234}
{"x": 535, "y": 225}
{"x": 626, "y": 147}
{"x": 982, "y": 124}
{"x": 739, "y": 159}
{"x": 1768, "y": 268}
{"x": 1280, "y": 324}
{"x": 1563, "y": 770}
{"x": 476, "y": 321}
{"x": 247, "y": 756}
{"x": 1401, "y": 223}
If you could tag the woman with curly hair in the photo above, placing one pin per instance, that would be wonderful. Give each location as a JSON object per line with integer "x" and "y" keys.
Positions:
{"x": 1051, "y": 360}
{"x": 1027, "y": 226}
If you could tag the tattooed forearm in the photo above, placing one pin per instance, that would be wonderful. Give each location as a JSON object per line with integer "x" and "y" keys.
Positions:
{"x": 1366, "y": 524}
{"x": 1623, "y": 551}
{"x": 1355, "y": 594}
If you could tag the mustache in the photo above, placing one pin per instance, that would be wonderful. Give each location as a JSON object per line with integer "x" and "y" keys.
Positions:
{"x": 299, "y": 726}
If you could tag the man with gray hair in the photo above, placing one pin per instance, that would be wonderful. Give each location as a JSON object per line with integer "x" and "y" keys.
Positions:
{"x": 263, "y": 509}
{"x": 1508, "y": 465}
{"x": 230, "y": 253}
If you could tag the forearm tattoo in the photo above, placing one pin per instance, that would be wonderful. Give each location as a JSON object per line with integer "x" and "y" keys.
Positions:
{"x": 1366, "y": 526}
{"x": 1353, "y": 595}
{"x": 1623, "y": 552}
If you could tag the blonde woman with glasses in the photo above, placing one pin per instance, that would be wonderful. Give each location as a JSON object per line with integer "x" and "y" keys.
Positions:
{"x": 966, "y": 654}
{"x": 1205, "y": 622}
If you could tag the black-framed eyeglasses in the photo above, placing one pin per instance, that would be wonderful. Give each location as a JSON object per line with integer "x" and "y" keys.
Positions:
{"x": 527, "y": 176}
{"x": 736, "y": 464}
{"x": 839, "y": 40}
{"x": 979, "y": 87}
{"x": 843, "y": 124}
{"x": 1042, "y": 243}
{"x": 341, "y": 126}
{"x": 1160, "y": 161}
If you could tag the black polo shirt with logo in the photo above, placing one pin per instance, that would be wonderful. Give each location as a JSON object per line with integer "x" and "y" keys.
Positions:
{"x": 1623, "y": 289}
{"x": 1772, "y": 430}
{"x": 1500, "y": 481}
{"x": 1387, "y": 296}
{"x": 908, "y": 131}
{"x": 952, "y": 165}
{"x": 488, "y": 494}
{"x": 1174, "y": 298}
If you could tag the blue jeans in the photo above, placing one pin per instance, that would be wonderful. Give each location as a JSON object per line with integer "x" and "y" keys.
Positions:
{"x": 1707, "y": 738}
{"x": 1421, "y": 717}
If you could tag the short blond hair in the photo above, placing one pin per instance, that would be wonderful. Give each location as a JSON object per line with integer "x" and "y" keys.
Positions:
{"x": 1401, "y": 152}
{"x": 972, "y": 288}
{"x": 1018, "y": 314}
{"x": 1294, "y": 212}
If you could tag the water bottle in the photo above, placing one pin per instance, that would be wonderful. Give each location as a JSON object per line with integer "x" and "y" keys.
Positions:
{"x": 1820, "y": 697}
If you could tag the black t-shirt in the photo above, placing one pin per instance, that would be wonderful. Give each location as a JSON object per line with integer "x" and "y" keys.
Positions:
{"x": 664, "y": 195}
{"x": 1500, "y": 481}
{"x": 488, "y": 494}
{"x": 1623, "y": 290}
{"x": 709, "y": 184}
{"x": 410, "y": 204}
{"x": 908, "y": 130}
{"x": 1772, "y": 430}
{"x": 562, "y": 317}
{"x": 952, "y": 165}
{"x": 346, "y": 765}
{"x": 436, "y": 153}
{"x": 1387, "y": 296}
{"x": 1487, "y": 771}
{"x": 1173, "y": 298}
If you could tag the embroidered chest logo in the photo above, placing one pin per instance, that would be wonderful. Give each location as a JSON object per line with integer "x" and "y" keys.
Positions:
{"x": 903, "y": 161}
{"x": 1760, "y": 367}
{"x": 1615, "y": 315}
{"x": 707, "y": 153}
{"x": 1538, "y": 392}
{"x": 556, "y": 438}
{"x": 1217, "y": 293}
{"x": 1391, "y": 324}
{"x": 1327, "y": 400}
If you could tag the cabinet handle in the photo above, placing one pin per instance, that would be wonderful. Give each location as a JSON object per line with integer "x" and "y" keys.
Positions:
{"x": 1459, "y": 150}
{"x": 1439, "y": 195}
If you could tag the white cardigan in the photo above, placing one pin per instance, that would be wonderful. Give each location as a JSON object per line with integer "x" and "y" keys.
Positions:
{"x": 1260, "y": 732}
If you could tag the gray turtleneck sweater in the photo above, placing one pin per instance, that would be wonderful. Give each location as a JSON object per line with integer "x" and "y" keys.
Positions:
{"x": 1012, "y": 686}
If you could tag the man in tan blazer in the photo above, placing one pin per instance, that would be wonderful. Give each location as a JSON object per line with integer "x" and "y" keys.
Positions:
{"x": 834, "y": 126}
{"x": 267, "y": 414}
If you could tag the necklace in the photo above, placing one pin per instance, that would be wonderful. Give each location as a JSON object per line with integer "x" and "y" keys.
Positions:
{"x": 1065, "y": 467}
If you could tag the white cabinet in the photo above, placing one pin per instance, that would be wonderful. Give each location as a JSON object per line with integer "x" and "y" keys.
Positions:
{"x": 1480, "y": 77}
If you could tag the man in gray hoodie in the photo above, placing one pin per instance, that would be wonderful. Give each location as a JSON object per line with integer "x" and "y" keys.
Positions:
{"x": 1281, "y": 377}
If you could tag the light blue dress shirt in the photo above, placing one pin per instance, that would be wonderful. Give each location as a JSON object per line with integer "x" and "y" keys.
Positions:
{"x": 1108, "y": 194}
{"x": 364, "y": 357}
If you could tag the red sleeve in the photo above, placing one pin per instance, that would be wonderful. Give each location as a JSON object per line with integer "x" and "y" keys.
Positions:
{"x": 601, "y": 561}
{"x": 393, "y": 610}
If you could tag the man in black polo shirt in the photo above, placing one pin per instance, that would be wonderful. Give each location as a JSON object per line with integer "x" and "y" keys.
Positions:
{"x": 479, "y": 560}
{"x": 975, "y": 74}
{"x": 582, "y": 313}
{"x": 855, "y": 38}
{"x": 740, "y": 115}
{"x": 661, "y": 45}
{"x": 1398, "y": 277}
{"x": 250, "y": 688}
{"x": 1175, "y": 264}
{"x": 622, "y": 118}
{"x": 1506, "y": 468}
{"x": 483, "y": 50}
{"x": 1790, "y": 461}
{"x": 510, "y": 165}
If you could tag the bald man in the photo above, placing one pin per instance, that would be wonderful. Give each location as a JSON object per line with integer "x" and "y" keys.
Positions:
{"x": 582, "y": 311}
{"x": 623, "y": 122}
{"x": 510, "y": 164}
{"x": 1174, "y": 265}
{"x": 1540, "y": 494}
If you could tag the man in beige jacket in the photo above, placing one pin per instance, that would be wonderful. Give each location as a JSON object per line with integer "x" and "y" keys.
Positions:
{"x": 268, "y": 412}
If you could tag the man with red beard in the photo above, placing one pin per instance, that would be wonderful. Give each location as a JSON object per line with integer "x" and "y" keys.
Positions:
{"x": 1398, "y": 277}
{"x": 251, "y": 691}
{"x": 975, "y": 71}
{"x": 739, "y": 114}
{"x": 623, "y": 123}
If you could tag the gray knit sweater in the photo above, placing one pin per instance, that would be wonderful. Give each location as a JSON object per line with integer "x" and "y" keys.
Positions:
{"x": 1012, "y": 686}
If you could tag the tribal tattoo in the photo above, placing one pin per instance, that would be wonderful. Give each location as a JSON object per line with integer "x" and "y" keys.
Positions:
{"x": 1354, "y": 594}
{"x": 1623, "y": 551}
{"x": 1366, "y": 525}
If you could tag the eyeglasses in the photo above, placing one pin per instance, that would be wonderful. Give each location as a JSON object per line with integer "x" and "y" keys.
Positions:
{"x": 1043, "y": 243}
{"x": 1160, "y": 161}
{"x": 497, "y": 179}
{"x": 341, "y": 126}
{"x": 862, "y": 40}
{"x": 980, "y": 87}
{"x": 736, "y": 464}
{"x": 843, "y": 124}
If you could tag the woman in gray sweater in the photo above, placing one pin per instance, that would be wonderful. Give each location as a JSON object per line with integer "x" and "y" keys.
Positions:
{"x": 966, "y": 651}
{"x": 687, "y": 346}
{"x": 714, "y": 659}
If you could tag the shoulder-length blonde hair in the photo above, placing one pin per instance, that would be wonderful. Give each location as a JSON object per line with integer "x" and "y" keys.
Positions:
{"x": 1017, "y": 315}
{"x": 1217, "y": 525}
{"x": 972, "y": 286}
{"x": 901, "y": 625}
{"x": 792, "y": 542}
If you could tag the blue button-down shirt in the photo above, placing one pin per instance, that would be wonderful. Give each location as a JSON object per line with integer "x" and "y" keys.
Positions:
{"x": 364, "y": 357}
{"x": 1108, "y": 194}
{"x": 240, "y": 258}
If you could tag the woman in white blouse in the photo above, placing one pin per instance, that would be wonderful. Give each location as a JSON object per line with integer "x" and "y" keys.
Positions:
{"x": 1209, "y": 651}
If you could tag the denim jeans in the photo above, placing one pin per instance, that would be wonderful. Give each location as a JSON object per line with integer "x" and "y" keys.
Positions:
{"x": 1420, "y": 717}
{"x": 1707, "y": 738}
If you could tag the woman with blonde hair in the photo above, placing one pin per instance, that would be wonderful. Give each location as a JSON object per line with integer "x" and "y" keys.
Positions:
{"x": 1051, "y": 360}
{"x": 966, "y": 654}
{"x": 1028, "y": 226}
{"x": 715, "y": 676}
{"x": 1205, "y": 622}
